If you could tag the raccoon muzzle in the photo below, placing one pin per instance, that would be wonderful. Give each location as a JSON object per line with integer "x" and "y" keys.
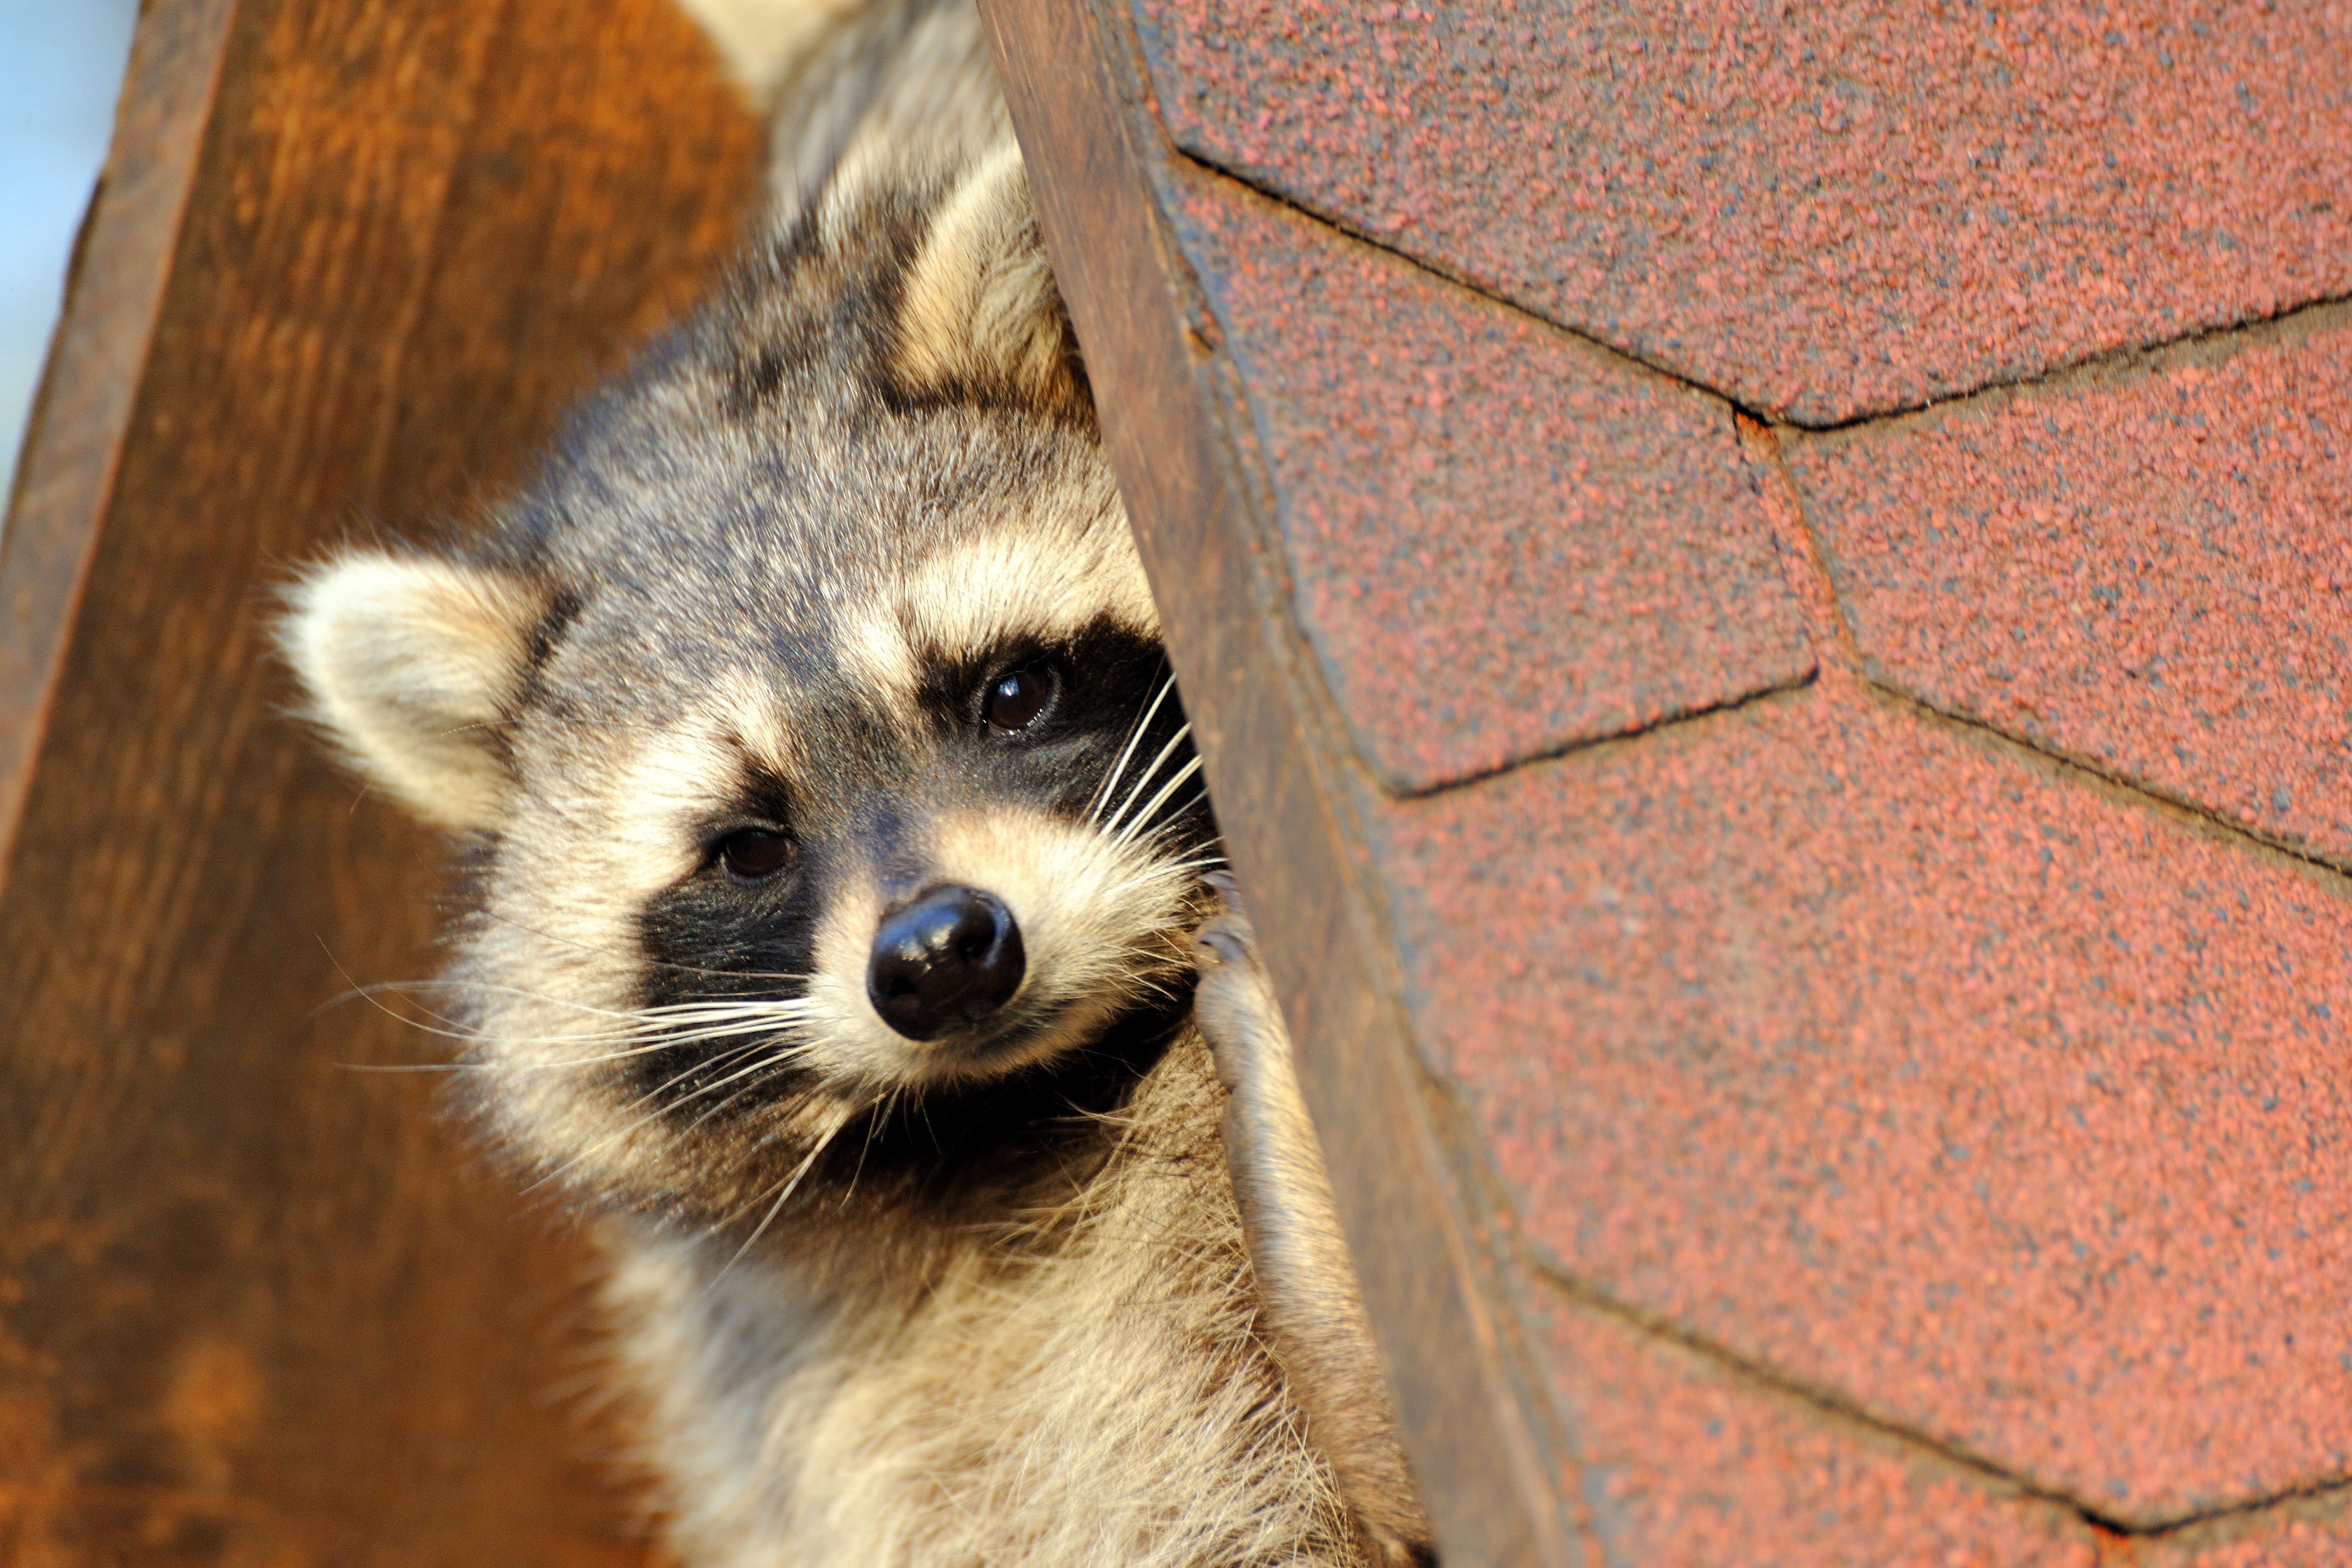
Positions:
{"x": 946, "y": 960}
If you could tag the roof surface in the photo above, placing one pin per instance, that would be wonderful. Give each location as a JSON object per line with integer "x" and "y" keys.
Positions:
{"x": 1827, "y": 539}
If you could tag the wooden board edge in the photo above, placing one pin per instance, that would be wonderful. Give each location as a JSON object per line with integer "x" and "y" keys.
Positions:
{"x": 1180, "y": 447}
{"x": 90, "y": 389}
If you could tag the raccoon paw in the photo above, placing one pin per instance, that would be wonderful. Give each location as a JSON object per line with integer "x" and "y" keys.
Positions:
{"x": 1234, "y": 1002}
{"x": 1314, "y": 1317}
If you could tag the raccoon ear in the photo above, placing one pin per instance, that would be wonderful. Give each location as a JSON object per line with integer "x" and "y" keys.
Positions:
{"x": 980, "y": 309}
{"x": 412, "y": 663}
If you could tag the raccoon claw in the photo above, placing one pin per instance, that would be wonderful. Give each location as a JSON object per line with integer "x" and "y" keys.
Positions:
{"x": 1226, "y": 941}
{"x": 1227, "y": 936}
{"x": 1234, "y": 1003}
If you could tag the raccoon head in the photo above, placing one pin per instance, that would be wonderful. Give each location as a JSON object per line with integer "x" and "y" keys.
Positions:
{"x": 809, "y": 715}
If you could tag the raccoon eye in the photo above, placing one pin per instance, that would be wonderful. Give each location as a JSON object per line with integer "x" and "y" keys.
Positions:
{"x": 1016, "y": 698}
{"x": 755, "y": 854}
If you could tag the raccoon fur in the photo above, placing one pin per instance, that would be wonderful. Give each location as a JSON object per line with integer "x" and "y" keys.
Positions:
{"x": 847, "y": 931}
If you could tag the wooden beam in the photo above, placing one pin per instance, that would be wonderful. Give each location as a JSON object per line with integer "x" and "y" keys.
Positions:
{"x": 349, "y": 261}
{"x": 1277, "y": 763}
{"x": 122, "y": 261}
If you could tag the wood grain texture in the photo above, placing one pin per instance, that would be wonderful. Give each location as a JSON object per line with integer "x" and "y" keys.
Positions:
{"x": 122, "y": 258}
{"x": 1277, "y": 760}
{"x": 256, "y": 1307}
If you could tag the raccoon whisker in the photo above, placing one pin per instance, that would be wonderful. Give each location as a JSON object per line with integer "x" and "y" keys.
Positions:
{"x": 1196, "y": 863}
{"x": 1159, "y": 988}
{"x": 1162, "y": 873}
{"x": 449, "y": 983}
{"x": 873, "y": 1129}
{"x": 653, "y": 1032}
{"x": 669, "y": 1009}
{"x": 358, "y": 993}
{"x": 1166, "y": 838}
{"x": 1110, "y": 780}
{"x": 1144, "y": 779}
{"x": 1158, "y": 801}
{"x": 654, "y": 1038}
{"x": 447, "y": 1028}
{"x": 651, "y": 1094}
{"x": 665, "y": 1085}
{"x": 776, "y": 1208}
{"x": 776, "y": 1059}
{"x": 368, "y": 994}
{"x": 659, "y": 1042}
{"x": 723, "y": 1008}
{"x": 716, "y": 1020}
{"x": 1169, "y": 838}
{"x": 928, "y": 1126}
{"x": 652, "y": 1115}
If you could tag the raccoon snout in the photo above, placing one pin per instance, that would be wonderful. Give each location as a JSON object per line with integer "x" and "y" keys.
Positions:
{"x": 945, "y": 960}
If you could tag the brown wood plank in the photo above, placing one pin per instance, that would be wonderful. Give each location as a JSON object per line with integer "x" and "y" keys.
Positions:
{"x": 254, "y": 1306}
{"x": 122, "y": 261}
{"x": 1277, "y": 758}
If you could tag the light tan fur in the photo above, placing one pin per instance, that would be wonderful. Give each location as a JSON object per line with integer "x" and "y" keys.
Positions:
{"x": 1314, "y": 1315}
{"x": 1071, "y": 559}
{"x": 1105, "y": 1404}
{"x": 1043, "y": 581}
{"x": 981, "y": 304}
{"x": 412, "y": 663}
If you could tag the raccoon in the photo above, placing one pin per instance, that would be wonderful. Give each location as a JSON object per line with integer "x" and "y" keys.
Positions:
{"x": 848, "y": 930}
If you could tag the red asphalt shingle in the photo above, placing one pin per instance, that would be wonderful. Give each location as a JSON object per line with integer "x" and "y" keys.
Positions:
{"x": 1501, "y": 540}
{"x": 2151, "y": 570}
{"x": 1680, "y": 1464}
{"x": 1921, "y": 1073}
{"x": 2303, "y": 1532}
{"x": 1973, "y": 1128}
{"x": 1823, "y": 212}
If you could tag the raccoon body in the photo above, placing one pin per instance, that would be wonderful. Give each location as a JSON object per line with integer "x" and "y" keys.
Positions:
{"x": 842, "y": 875}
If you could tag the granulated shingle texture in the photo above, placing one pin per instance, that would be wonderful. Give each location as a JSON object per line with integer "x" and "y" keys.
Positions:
{"x": 1680, "y": 1464}
{"x": 1926, "y": 1074}
{"x": 1501, "y": 540}
{"x": 1952, "y": 1113}
{"x": 2151, "y": 571}
{"x": 1823, "y": 211}
{"x": 2301, "y": 1532}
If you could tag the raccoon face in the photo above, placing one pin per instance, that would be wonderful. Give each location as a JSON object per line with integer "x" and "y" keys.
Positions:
{"x": 959, "y": 829}
{"x": 811, "y": 719}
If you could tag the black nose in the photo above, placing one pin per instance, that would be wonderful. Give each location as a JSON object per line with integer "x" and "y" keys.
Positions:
{"x": 946, "y": 960}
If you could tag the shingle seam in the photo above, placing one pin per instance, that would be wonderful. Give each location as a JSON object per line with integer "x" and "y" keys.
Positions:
{"x": 2122, "y": 354}
{"x": 1844, "y": 1411}
{"x": 2118, "y": 787}
{"x": 2113, "y": 785}
{"x": 1460, "y": 280}
{"x": 2143, "y": 358}
{"x": 1371, "y": 779}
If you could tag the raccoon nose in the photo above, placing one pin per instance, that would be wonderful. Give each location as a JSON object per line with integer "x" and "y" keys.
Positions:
{"x": 947, "y": 959}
